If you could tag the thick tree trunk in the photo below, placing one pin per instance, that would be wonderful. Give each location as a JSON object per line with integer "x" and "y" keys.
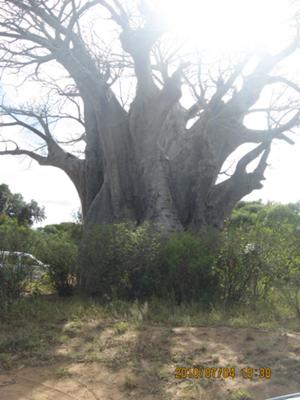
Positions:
{"x": 154, "y": 169}
{"x": 146, "y": 165}
{"x": 143, "y": 164}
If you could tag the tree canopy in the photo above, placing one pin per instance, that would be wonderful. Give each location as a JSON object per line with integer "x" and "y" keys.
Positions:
{"x": 14, "y": 206}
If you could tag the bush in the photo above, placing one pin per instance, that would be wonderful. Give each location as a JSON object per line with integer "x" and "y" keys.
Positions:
{"x": 13, "y": 237}
{"x": 188, "y": 267}
{"x": 73, "y": 230}
{"x": 120, "y": 261}
{"x": 59, "y": 253}
{"x": 288, "y": 276}
{"x": 252, "y": 261}
{"x": 233, "y": 270}
{"x": 12, "y": 283}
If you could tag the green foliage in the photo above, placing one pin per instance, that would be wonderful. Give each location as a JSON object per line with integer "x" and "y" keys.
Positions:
{"x": 272, "y": 262}
{"x": 13, "y": 276}
{"x": 71, "y": 229}
{"x": 59, "y": 253}
{"x": 188, "y": 267}
{"x": 278, "y": 215}
{"x": 246, "y": 213}
{"x": 14, "y": 237}
{"x": 272, "y": 215}
{"x": 120, "y": 261}
{"x": 254, "y": 261}
{"x": 244, "y": 264}
{"x": 12, "y": 280}
{"x": 14, "y": 206}
{"x": 58, "y": 248}
{"x": 233, "y": 273}
{"x": 55, "y": 245}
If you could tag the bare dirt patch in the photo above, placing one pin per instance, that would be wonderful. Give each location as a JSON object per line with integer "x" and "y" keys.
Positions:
{"x": 119, "y": 362}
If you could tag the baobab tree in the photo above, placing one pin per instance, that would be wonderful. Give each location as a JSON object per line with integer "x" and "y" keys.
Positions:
{"x": 151, "y": 158}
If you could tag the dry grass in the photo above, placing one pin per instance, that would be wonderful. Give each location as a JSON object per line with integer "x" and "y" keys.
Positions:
{"x": 79, "y": 349}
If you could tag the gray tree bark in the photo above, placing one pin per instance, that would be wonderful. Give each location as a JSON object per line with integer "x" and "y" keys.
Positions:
{"x": 145, "y": 163}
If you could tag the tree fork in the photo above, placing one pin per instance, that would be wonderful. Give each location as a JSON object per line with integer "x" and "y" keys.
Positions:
{"x": 154, "y": 159}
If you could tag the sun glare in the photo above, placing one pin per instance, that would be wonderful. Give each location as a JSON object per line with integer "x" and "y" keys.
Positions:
{"x": 230, "y": 24}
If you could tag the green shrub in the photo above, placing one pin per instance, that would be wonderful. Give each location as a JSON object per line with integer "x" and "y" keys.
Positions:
{"x": 59, "y": 253}
{"x": 188, "y": 267}
{"x": 73, "y": 230}
{"x": 13, "y": 238}
{"x": 12, "y": 280}
{"x": 238, "y": 267}
{"x": 233, "y": 271}
{"x": 252, "y": 260}
{"x": 120, "y": 261}
{"x": 288, "y": 276}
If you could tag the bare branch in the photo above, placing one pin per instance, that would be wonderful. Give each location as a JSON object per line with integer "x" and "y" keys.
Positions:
{"x": 257, "y": 135}
{"x": 17, "y": 152}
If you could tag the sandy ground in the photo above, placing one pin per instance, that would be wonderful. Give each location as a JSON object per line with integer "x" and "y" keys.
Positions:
{"x": 140, "y": 364}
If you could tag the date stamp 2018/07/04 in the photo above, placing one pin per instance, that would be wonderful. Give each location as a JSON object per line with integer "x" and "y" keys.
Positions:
{"x": 222, "y": 373}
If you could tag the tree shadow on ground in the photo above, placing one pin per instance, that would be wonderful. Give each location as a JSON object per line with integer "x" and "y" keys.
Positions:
{"x": 93, "y": 356}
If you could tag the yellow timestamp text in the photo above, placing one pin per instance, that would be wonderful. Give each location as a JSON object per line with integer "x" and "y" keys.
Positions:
{"x": 222, "y": 373}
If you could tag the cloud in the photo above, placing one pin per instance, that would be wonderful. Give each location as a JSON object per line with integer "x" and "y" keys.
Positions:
{"x": 49, "y": 186}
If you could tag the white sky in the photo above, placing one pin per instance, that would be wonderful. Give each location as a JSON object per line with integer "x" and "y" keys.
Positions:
{"x": 49, "y": 186}
{"x": 212, "y": 25}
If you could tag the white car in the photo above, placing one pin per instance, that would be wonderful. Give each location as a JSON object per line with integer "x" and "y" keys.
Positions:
{"x": 23, "y": 261}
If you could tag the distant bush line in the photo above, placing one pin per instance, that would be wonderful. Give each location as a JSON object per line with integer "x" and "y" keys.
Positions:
{"x": 255, "y": 259}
